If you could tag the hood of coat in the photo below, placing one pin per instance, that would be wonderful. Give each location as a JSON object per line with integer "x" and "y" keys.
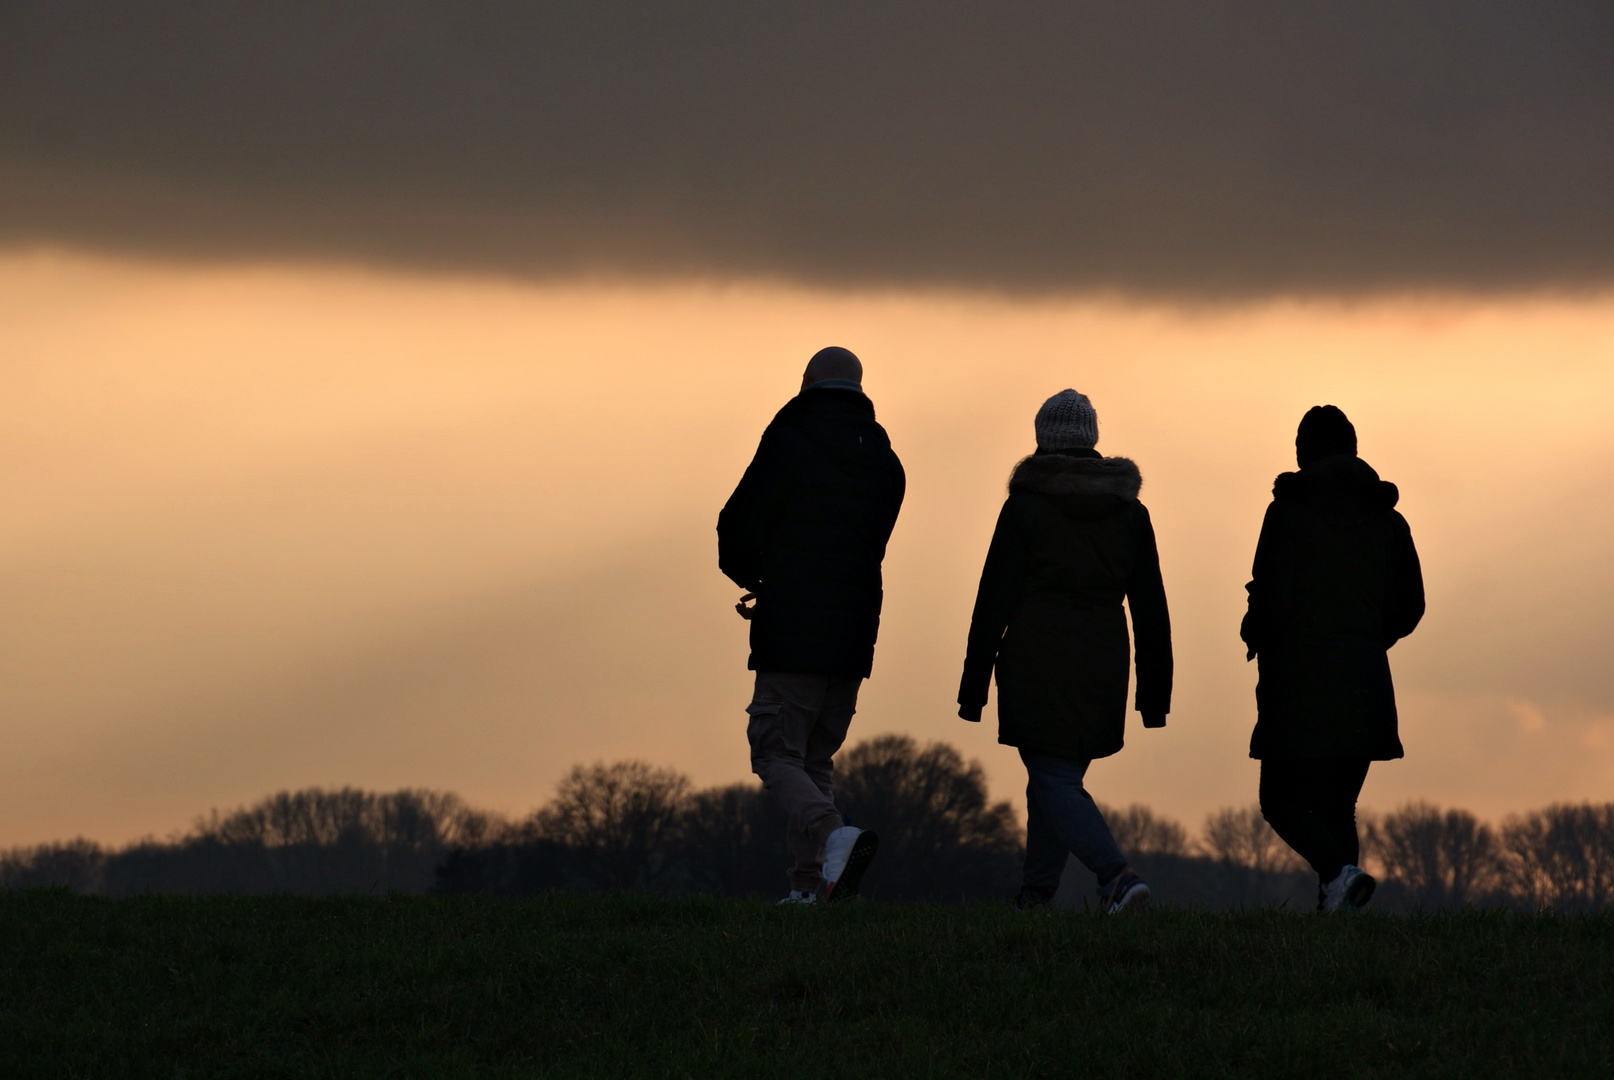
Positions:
{"x": 839, "y": 422}
{"x": 1343, "y": 478}
{"x": 1059, "y": 475}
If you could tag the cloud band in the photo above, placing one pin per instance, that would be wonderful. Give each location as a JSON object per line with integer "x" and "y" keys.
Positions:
{"x": 1168, "y": 149}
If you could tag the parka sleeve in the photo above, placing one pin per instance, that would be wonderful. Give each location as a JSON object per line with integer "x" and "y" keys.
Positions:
{"x": 750, "y": 515}
{"x": 1151, "y": 624}
{"x": 1404, "y": 607}
{"x": 1258, "y": 616}
{"x": 1002, "y": 579}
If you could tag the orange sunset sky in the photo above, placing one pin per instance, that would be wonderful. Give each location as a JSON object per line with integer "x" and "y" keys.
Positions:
{"x": 365, "y": 411}
{"x": 278, "y": 526}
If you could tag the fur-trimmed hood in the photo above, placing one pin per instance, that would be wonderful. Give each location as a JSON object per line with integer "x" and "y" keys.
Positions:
{"x": 1060, "y": 474}
{"x": 1343, "y": 478}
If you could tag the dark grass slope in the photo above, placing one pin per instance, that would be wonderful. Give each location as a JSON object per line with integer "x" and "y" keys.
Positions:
{"x": 634, "y": 986}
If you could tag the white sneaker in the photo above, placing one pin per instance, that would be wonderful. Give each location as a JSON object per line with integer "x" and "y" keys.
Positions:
{"x": 800, "y": 896}
{"x": 847, "y": 853}
{"x": 1351, "y": 891}
{"x": 1127, "y": 892}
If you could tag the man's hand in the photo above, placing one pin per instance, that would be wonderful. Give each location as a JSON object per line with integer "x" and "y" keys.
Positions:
{"x": 1157, "y": 719}
{"x": 746, "y": 612}
{"x": 972, "y": 713}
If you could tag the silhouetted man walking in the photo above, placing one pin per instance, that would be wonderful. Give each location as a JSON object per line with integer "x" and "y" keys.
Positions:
{"x": 804, "y": 534}
{"x": 1336, "y": 583}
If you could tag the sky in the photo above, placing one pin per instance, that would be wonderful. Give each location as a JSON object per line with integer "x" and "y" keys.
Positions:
{"x": 1241, "y": 148}
{"x": 370, "y": 379}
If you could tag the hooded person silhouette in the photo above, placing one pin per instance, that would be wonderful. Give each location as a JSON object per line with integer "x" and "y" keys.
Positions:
{"x": 804, "y": 534}
{"x": 1336, "y": 583}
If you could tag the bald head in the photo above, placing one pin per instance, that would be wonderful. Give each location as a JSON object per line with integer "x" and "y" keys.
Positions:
{"x": 832, "y": 363}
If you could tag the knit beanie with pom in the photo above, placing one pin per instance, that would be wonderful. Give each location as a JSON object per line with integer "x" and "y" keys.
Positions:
{"x": 1067, "y": 421}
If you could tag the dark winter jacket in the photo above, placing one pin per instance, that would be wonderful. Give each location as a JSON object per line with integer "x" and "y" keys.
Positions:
{"x": 1071, "y": 542}
{"x": 1336, "y": 583}
{"x": 806, "y": 530}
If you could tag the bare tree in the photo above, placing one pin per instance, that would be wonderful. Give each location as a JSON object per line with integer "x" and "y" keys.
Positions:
{"x": 925, "y": 797}
{"x": 1561, "y": 856}
{"x": 409, "y": 819}
{"x": 732, "y": 841}
{"x": 625, "y": 816}
{"x": 1250, "y": 861}
{"x": 79, "y": 865}
{"x": 941, "y": 837}
{"x": 1138, "y": 830}
{"x": 632, "y": 825}
{"x": 314, "y": 841}
{"x": 1241, "y": 837}
{"x": 1442, "y": 857}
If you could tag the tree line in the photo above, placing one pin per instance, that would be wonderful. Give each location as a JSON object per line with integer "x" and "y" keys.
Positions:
{"x": 635, "y": 826}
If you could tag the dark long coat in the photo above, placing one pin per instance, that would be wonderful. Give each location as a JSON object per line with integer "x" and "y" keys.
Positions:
{"x": 1336, "y": 583}
{"x": 806, "y": 530}
{"x": 1072, "y": 542}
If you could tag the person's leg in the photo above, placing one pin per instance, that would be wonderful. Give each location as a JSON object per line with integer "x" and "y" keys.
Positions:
{"x": 1072, "y": 815}
{"x": 840, "y": 855}
{"x": 1340, "y": 785}
{"x": 1295, "y": 802}
{"x": 1045, "y": 853}
{"x": 784, "y": 711}
{"x": 825, "y": 736}
{"x": 828, "y": 732}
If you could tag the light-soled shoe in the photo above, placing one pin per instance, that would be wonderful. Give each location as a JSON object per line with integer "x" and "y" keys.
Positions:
{"x": 801, "y": 896}
{"x": 1351, "y": 891}
{"x": 1126, "y": 892}
{"x": 847, "y": 853}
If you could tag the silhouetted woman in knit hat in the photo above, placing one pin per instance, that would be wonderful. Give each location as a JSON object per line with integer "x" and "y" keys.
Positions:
{"x": 1072, "y": 542}
{"x": 1336, "y": 583}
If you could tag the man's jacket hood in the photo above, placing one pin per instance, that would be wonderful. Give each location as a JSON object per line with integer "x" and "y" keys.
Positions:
{"x": 1343, "y": 479}
{"x": 838, "y": 422}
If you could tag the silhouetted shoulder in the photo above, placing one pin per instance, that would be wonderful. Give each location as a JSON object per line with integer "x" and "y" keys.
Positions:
{"x": 1344, "y": 480}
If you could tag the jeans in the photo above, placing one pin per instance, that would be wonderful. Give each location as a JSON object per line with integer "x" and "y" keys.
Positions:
{"x": 1061, "y": 819}
{"x": 797, "y": 724}
{"x": 1311, "y": 804}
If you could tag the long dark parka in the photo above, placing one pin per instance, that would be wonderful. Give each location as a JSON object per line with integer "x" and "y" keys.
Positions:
{"x": 1336, "y": 583}
{"x": 1072, "y": 542}
{"x": 806, "y": 530}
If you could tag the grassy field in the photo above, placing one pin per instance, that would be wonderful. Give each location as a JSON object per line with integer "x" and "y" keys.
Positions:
{"x": 620, "y": 986}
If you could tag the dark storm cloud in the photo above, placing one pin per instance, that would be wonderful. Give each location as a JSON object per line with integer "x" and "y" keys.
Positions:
{"x": 1181, "y": 147}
